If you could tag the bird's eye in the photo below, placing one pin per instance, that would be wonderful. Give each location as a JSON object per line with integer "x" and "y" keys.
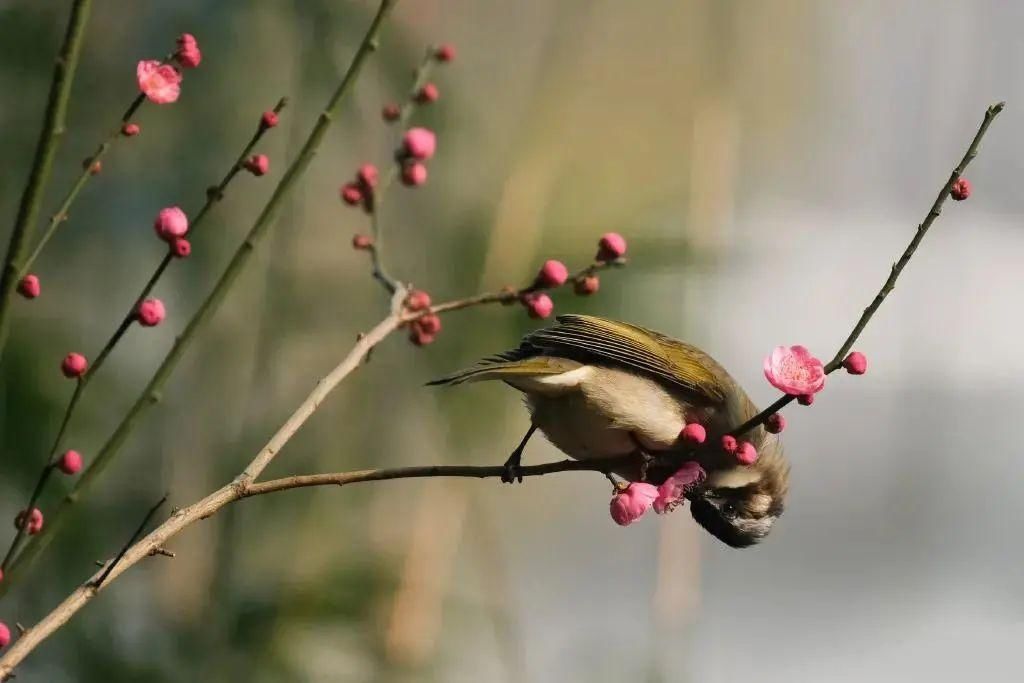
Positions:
{"x": 729, "y": 509}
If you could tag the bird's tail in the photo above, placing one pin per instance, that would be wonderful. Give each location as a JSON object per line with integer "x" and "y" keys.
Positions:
{"x": 507, "y": 366}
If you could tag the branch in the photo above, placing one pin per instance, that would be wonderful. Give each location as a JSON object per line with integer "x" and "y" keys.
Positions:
{"x": 46, "y": 149}
{"x": 151, "y": 393}
{"x": 890, "y": 282}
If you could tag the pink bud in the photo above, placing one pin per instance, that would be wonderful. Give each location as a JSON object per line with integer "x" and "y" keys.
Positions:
{"x": 351, "y": 194}
{"x": 28, "y": 286}
{"x": 961, "y": 189}
{"x": 420, "y": 337}
{"x": 586, "y": 285}
{"x": 151, "y": 312}
{"x": 538, "y": 305}
{"x": 362, "y": 242}
{"x": 390, "y": 112}
{"x": 775, "y": 423}
{"x": 611, "y": 246}
{"x": 419, "y": 143}
{"x": 368, "y": 175}
{"x": 630, "y": 504}
{"x": 34, "y": 524}
{"x": 95, "y": 167}
{"x": 694, "y": 433}
{"x": 74, "y": 365}
{"x": 552, "y": 274}
{"x": 856, "y": 363}
{"x": 445, "y": 53}
{"x": 130, "y": 130}
{"x": 171, "y": 223}
{"x": 269, "y": 119}
{"x": 161, "y": 83}
{"x": 5, "y": 635}
{"x": 417, "y": 300}
{"x": 427, "y": 94}
{"x": 414, "y": 174}
{"x": 746, "y": 454}
{"x": 430, "y": 323}
{"x": 729, "y": 444}
{"x": 70, "y": 462}
{"x": 805, "y": 399}
{"x": 257, "y": 164}
{"x": 181, "y": 247}
{"x": 188, "y": 54}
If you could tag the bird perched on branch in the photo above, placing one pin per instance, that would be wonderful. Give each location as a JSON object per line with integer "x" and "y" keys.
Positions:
{"x": 598, "y": 388}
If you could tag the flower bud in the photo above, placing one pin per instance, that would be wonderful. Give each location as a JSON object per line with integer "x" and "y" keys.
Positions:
{"x": 538, "y": 305}
{"x": 427, "y": 94}
{"x": 611, "y": 246}
{"x": 390, "y": 112}
{"x": 775, "y": 423}
{"x": 445, "y": 53}
{"x": 729, "y": 444}
{"x": 368, "y": 175}
{"x": 33, "y": 524}
{"x": 171, "y": 223}
{"x": 420, "y": 337}
{"x": 5, "y": 635}
{"x": 414, "y": 174}
{"x": 552, "y": 274}
{"x": 586, "y": 285}
{"x": 130, "y": 130}
{"x": 746, "y": 454}
{"x": 151, "y": 312}
{"x": 188, "y": 54}
{"x": 351, "y": 194}
{"x": 694, "y": 433}
{"x": 362, "y": 242}
{"x": 429, "y": 324}
{"x": 28, "y": 286}
{"x": 961, "y": 189}
{"x": 629, "y": 504}
{"x": 70, "y": 462}
{"x": 269, "y": 119}
{"x": 257, "y": 164}
{"x": 856, "y": 363}
{"x": 181, "y": 247}
{"x": 417, "y": 300}
{"x": 419, "y": 143}
{"x": 74, "y": 365}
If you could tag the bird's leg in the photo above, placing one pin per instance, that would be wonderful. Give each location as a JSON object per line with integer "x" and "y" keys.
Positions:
{"x": 645, "y": 457}
{"x": 512, "y": 472}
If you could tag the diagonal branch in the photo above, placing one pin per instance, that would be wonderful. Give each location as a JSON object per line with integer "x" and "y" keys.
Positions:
{"x": 46, "y": 149}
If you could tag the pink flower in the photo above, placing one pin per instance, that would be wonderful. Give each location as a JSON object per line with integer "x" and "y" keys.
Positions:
{"x": 611, "y": 246}
{"x": 445, "y": 53}
{"x": 672, "y": 490}
{"x": 794, "y": 370}
{"x": 181, "y": 247}
{"x": 729, "y": 444}
{"x": 856, "y": 363}
{"x": 552, "y": 274}
{"x": 5, "y": 635}
{"x": 694, "y": 433}
{"x": 188, "y": 54}
{"x": 160, "y": 82}
{"x": 417, "y": 300}
{"x": 351, "y": 194}
{"x": 538, "y": 305}
{"x": 74, "y": 365}
{"x": 775, "y": 423}
{"x": 151, "y": 312}
{"x": 171, "y": 223}
{"x": 130, "y": 130}
{"x": 28, "y": 286}
{"x": 427, "y": 94}
{"x": 70, "y": 462}
{"x": 414, "y": 174}
{"x": 746, "y": 454}
{"x": 257, "y": 164}
{"x": 419, "y": 143}
{"x": 630, "y": 504}
{"x": 269, "y": 119}
{"x": 586, "y": 285}
{"x": 34, "y": 524}
{"x": 961, "y": 189}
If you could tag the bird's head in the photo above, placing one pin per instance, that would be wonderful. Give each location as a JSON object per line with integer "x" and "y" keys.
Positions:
{"x": 739, "y": 505}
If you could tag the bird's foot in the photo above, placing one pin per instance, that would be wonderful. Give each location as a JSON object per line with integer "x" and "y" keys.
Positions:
{"x": 513, "y": 469}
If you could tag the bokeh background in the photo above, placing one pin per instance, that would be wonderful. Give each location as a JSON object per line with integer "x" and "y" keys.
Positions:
{"x": 766, "y": 160}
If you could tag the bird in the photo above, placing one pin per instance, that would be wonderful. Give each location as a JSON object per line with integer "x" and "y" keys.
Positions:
{"x": 598, "y": 388}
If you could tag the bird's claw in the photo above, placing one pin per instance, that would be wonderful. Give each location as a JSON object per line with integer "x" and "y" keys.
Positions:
{"x": 513, "y": 473}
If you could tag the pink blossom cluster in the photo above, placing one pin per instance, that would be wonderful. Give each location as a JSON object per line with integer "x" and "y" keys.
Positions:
{"x": 632, "y": 500}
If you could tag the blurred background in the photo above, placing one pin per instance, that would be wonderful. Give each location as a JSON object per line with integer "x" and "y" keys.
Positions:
{"x": 767, "y": 161}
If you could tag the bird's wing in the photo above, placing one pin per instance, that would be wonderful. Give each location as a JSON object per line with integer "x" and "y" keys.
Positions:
{"x": 587, "y": 338}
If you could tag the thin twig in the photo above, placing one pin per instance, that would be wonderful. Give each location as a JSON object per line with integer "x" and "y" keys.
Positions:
{"x": 213, "y": 195}
{"x": 131, "y": 541}
{"x": 890, "y": 283}
{"x": 151, "y": 393}
{"x": 42, "y": 162}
